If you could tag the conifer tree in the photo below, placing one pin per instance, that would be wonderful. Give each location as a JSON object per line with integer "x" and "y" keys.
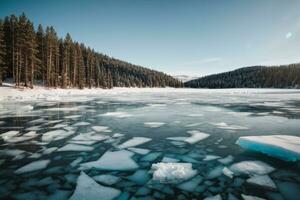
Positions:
{"x": 2, "y": 52}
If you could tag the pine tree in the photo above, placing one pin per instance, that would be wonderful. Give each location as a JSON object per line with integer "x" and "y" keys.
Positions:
{"x": 32, "y": 51}
{"x": 66, "y": 60}
{"x": 41, "y": 56}
{"x": 2, "y": 53}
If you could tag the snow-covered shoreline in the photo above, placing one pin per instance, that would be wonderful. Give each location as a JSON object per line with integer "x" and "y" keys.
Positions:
{"x": 9, "y": 93}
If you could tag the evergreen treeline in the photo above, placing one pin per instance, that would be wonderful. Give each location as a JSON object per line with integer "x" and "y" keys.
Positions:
{"x": 29, "y": 56}
{"x": 284, "y": 76}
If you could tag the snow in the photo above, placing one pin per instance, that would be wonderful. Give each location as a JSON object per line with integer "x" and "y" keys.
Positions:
{"x": 154, "y": 124}
{"x": 33, "y": 166}
{"x": 135, "y": 141}
{"x": 264, "y": 181}
{"x": 172, "y": 172}
{"x": 195, "y": 137}
{"x": 9, "y": 93}
{"x": 117, "y": 160}
{"x": 285, "y": 147}
{"x": 88, "y": 189}
{"x": 76, "y": 147}
{"x": 251, "y": 168}
{"x": 107, "y": 179}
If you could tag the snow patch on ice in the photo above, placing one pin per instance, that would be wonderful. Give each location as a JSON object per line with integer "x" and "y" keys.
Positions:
{"x": 172, "y": 172}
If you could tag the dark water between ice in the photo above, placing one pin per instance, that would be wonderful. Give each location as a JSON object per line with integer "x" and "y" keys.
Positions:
{"x": 174, "y": 115}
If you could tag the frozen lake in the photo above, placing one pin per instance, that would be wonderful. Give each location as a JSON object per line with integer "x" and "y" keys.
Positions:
{"x": 146, "y": 144}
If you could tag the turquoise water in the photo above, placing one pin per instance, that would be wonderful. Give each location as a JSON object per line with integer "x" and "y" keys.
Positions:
{"x": 158, "y": 116}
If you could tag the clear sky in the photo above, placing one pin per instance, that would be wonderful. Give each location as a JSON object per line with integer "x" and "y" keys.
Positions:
{"x": 178, "y": 37}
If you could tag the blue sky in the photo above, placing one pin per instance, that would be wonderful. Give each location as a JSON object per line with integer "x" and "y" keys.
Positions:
{"x": 178, "y": 37}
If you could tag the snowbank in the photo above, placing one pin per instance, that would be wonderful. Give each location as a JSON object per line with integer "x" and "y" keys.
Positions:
{"x": 9, "y": 93}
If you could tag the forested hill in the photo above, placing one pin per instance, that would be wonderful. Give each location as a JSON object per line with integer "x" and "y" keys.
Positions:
{"x": 284, "y": 76}
{"x": 30, "y": 56}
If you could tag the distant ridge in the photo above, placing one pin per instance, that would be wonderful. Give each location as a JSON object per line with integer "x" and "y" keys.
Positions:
{"x": 184, "y": 78}
{"x": 283, "y": 76}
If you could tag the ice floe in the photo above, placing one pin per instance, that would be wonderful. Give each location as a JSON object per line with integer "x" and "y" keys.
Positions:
{"x": 75, "y": 162}
{"x": 228, "y": 159}
{"x": 101, "y": 129}
{"x": 140, "y": 177}
{"x": 88, "y": 189}
{"x": 285, "y": 147}
{"x": 211, "y": 157}
{"x": 263, "y": 181}
{"x": 88, "y": 138}
{"x": 81, "y": 124}
{"x": 154, "y": 124}
{"x": 249, "y": 197}
{"x": 195, "y": 137}
{"x": 33, "y": 166}
{"x": 62, "y": 109}
{"x": 116, "y": 114}
{"x": 139, "y": 150}
{"x": 172, "y": 172}
{"x": 72, "y": 116}
{"x": 151, "y": 156}
{"x": 135, "y": 141}
{"x": 116, "y": 160}
{"x": 107, "y": 179}
{"x": 215, "y": 172}
{"x": 191, "y": 184}
{"x": 255, "y": 167}
{"x": 223, "y": 125}
{"x": 56, "y": 135}
{"x": 227, "y": 172}
{"x": 76, "y": 147}
{"x": 216, "y": 197}
{"x": 169, "y": 160}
